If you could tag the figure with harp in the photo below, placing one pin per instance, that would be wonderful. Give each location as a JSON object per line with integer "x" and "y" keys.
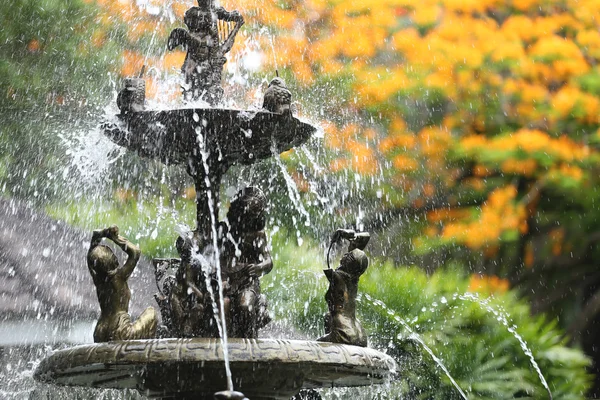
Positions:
{"x": 208, "y": 38}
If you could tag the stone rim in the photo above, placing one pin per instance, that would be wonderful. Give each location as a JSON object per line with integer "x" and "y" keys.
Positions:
{"x": 136, "y": 364}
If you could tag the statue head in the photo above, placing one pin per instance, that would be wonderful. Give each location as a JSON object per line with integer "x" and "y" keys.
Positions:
{"x": 277, "y": 82}
{"x": 200, "y": 19}
{"x": 354, "y": 262}
{"x": 205, "y": 4}
{"x": 247, "y": 211}
{"x": 103, "y": 260}
{"x": 184, "y": 248}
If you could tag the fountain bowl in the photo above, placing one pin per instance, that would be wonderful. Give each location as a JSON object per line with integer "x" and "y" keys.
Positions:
{"x": 194, "y": 368}
{"x": 233, "y": 136}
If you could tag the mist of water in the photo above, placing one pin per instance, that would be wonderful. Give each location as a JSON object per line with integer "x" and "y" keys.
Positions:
{"x": 415, "y": 336}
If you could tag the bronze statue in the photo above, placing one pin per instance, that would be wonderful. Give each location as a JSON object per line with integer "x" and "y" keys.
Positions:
{"x": 190, "y": 306}
{"x": 186, "y": 307}
{"x": 165, "y": 282}
{"x": 203, "y": 65}
{"x": 278, "y": 98}
{"x": 341, "y": 325}
{"x": 132, "y": 97}
{"x": 113, "y": 291}
{"x": 245, "y": 258}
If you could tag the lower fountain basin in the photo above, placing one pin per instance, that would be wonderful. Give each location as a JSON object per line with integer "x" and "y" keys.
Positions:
{"x": 194, "y": 368}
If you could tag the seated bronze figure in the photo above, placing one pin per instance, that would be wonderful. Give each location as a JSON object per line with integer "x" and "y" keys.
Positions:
{"x": 113, "y": 291}
{"x": 245, "y": 258}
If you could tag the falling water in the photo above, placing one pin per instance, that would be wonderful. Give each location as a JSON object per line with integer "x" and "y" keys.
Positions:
{"x": 503, "y": 319}
{"x": 311, "y": 158}
{"x": 220, "y": 315}
{"x": 293, "y": 193}
{"x": 413, "y": 335}
{"x": 91, "y": 155}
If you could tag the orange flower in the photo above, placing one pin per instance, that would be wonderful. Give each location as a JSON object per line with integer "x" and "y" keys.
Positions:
{"x": 557, "y": 237}
{"x": 33, "y": 46}
{"x": 173, "y": 60}
{"x": 529, "y": 255}
{"x": 404, "y": 164}
{"x": 132, "y": 63}
{"x": 189, "y": 193}
{"x": 488, "y": 284}
{"x": 362, "y": 157}
{"x": 339, "y": 164}
{"x": 520, "y": 167}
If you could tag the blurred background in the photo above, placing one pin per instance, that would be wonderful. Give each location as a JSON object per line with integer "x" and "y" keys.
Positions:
{"x": 463, "y": 134}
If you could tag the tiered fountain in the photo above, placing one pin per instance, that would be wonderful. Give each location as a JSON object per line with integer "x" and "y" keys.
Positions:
{"x": 209, "y": 298}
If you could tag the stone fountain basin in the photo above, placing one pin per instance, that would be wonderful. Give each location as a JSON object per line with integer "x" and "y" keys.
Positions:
{"x": 231, "y": 136}
{"x": 194, "y": 368}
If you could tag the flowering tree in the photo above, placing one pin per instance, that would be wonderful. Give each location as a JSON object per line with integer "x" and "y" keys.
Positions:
{"x": 477, "y": 131}
{"x": 478, "y": 118}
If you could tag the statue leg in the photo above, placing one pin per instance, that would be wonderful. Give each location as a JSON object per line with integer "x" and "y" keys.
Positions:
{"x": 145, "y": 326}
{"x": 327, "y": 321}
{"x": 262, "y": 313}
{"x": 247, "y": 318}
{"x": 178, "y": 314}
{"x": 196, "y": 316}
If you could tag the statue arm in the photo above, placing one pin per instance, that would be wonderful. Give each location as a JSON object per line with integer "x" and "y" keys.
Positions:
{"x": 178, "y": 36}
{"x": 133, "y": 252}
{"x": 190, "y": 281}
{"x": 228, "y": 16}
{"x": 358, "y": 240}
{"x": 192, "y": 286}
{"x": 228, "y": 44}
{"x": 266, "y": 264}
{"x": 97, "y": 237}
{"x": 261, "y": 252}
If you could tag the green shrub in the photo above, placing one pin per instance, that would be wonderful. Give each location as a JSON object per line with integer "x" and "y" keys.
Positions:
{"x": 463, "y": 330}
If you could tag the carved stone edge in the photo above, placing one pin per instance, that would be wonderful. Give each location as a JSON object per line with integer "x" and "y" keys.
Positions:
{"x": 358, "y": 360}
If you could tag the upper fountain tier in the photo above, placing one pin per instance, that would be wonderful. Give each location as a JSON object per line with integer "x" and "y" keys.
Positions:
{"x": 207, "y": 140}
{"x": 223, "y": 137}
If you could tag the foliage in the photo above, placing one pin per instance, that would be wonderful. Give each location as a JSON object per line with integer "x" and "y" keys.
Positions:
{"x": 480, "y": 353}
{"x": 154, "y": 226}
{"x": 469, "y": 126}
{"x": 48, "y": 74}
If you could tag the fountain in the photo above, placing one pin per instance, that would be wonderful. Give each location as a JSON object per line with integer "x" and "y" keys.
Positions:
{"x": 209, "y": 298}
